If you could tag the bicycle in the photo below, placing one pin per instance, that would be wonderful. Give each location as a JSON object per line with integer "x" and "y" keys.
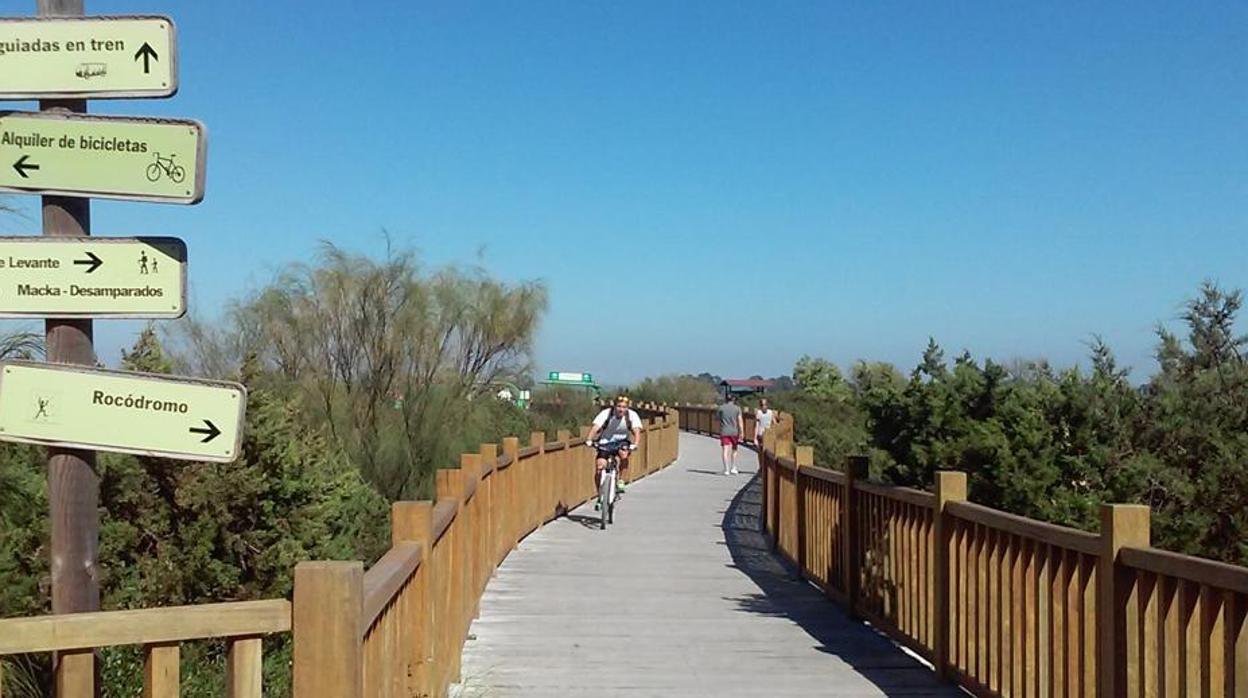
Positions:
{"x": 167, "y": 166}
{"x": 606, "y": 486}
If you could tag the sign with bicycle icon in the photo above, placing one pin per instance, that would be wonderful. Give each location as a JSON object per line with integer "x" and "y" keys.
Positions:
{"x": 102, "y": 156}
{"x": 165, "y": 165}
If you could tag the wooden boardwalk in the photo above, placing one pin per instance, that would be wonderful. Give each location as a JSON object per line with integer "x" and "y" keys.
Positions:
{"x": 679, "y": 598}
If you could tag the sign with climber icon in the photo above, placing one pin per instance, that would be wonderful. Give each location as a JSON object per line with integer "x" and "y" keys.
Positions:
{"x": 92, "y": 277}
{"x": 110, "y": 157}
{"x": 122, "y": 411}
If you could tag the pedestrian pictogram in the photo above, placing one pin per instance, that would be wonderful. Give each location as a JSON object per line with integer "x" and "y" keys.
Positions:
{"x": 92, "y": 277}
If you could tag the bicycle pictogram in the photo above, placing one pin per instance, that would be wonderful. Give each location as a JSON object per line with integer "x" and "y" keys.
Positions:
{"x": 166, "y": 165}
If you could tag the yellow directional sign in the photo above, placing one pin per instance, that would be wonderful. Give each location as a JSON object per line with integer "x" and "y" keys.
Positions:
{"x": 102, "y": 156}
{"x": 95, "y": 57}
{"x": 86, "y": 277}
{"x": 146, "y": 414}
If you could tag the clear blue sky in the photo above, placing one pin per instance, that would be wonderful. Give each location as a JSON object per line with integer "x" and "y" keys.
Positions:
{"x": 753, "y": 181}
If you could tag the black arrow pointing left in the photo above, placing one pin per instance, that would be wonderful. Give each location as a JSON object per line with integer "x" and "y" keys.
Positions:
{"x": 92, "y": 260}
{"x": 210, "y": 433}
{"x": 23, "y": 167}
{"x": 148, "y": 54}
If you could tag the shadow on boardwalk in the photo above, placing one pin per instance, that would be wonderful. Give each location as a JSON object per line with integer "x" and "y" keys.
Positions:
{"x": 783, "y": 593}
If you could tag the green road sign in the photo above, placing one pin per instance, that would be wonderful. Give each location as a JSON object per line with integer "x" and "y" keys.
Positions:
{"x": 86, "y": 277}
{"x": 569, "y": 377}
{"x": 87, "y": 57}
{"x": 76, "y": 407}
{"x": 103, "y": 156}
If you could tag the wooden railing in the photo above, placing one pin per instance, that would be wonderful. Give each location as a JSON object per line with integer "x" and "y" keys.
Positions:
{"x": 160, "y": 631}
{"x": 395, "y": 630}
{"x": 1002, "y": 604}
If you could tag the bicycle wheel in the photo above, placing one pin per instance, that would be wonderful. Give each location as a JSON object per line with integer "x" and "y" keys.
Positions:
{"x": 604, "y": 497}
{"x": 153, "y": 172}
{"x": 177, "y": 174}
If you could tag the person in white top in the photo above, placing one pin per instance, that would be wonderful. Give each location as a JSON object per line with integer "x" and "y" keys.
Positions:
{"x": 763, "y": 417}
{"x": 618, "y": 423}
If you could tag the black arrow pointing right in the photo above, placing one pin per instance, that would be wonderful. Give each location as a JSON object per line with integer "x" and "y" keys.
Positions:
{"x": 92, "y": 260}
{"x": 211, "y": 432}
{"x": 148, "y": 54}
{"x": 23, "y": 167}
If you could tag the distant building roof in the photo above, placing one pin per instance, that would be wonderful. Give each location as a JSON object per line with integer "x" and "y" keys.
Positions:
{"x": 747, "y": 383}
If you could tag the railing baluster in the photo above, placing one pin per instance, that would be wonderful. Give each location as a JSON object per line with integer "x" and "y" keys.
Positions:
{"x": 243, "y": 668}
{"x": 161, "y": 670}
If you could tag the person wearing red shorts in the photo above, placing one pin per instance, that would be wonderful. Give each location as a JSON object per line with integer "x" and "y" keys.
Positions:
{"x": 731, "y": 427}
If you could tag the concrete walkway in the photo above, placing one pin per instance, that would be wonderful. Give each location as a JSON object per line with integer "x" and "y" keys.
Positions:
{"x": 679, "y": 598}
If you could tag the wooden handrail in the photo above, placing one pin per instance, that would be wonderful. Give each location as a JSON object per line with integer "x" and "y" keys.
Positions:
{"x": 1052, "y": 534}
{"x": 384, "y": 580}
{"x": 815, "y": 472}
{"x": 504, "y": 462}
{"x": 528, "y": 452}
{"x": 443, "y": 514}
{"x": 902, "y": 494}
{"x": 1216, "y": 574}
{"x": 73, "y": 631}
{"x": 552, "y": 446}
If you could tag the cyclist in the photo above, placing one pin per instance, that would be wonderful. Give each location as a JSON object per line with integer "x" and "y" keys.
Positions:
{"x": 616, "y": 423}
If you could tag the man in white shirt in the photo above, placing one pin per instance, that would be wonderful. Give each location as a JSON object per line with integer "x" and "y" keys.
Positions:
{"x": 763, "y": 417}
{"x": 618, "y": 423}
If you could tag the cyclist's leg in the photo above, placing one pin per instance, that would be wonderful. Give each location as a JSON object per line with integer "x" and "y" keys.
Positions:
{"x": 622, "y": 474}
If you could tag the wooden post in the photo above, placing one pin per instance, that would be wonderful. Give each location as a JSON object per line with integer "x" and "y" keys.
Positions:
{"x": 583, "y": 476}
{"x": 451, "y": 486}
{"x": 512, "y": 497}
{"x": 561, "y": 497}
{"x": 770, "y": 485}
{"x": 532, "y": 485}
{"x": 73, "y": 483}
{"x": 784, "y": 449}
{"x": 490, "y": 513}
{"x": 855, "y": 469}
{"x": 1122, "y": 526}
{"x": 412, "y": 522}
{"x": 950, "y": 487}
{"x": 805, "y": 456}
{"x": 328, "y": 657}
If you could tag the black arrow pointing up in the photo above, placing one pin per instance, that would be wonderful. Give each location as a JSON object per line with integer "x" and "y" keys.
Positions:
{"x": 212, "y": 432}
{"x": 94, "y": 261}
{"x": 148, "y": 54}
{"x": 22, "y": 167}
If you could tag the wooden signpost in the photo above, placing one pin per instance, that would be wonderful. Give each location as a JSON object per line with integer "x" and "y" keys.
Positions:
{"x": 68, "y": 278}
